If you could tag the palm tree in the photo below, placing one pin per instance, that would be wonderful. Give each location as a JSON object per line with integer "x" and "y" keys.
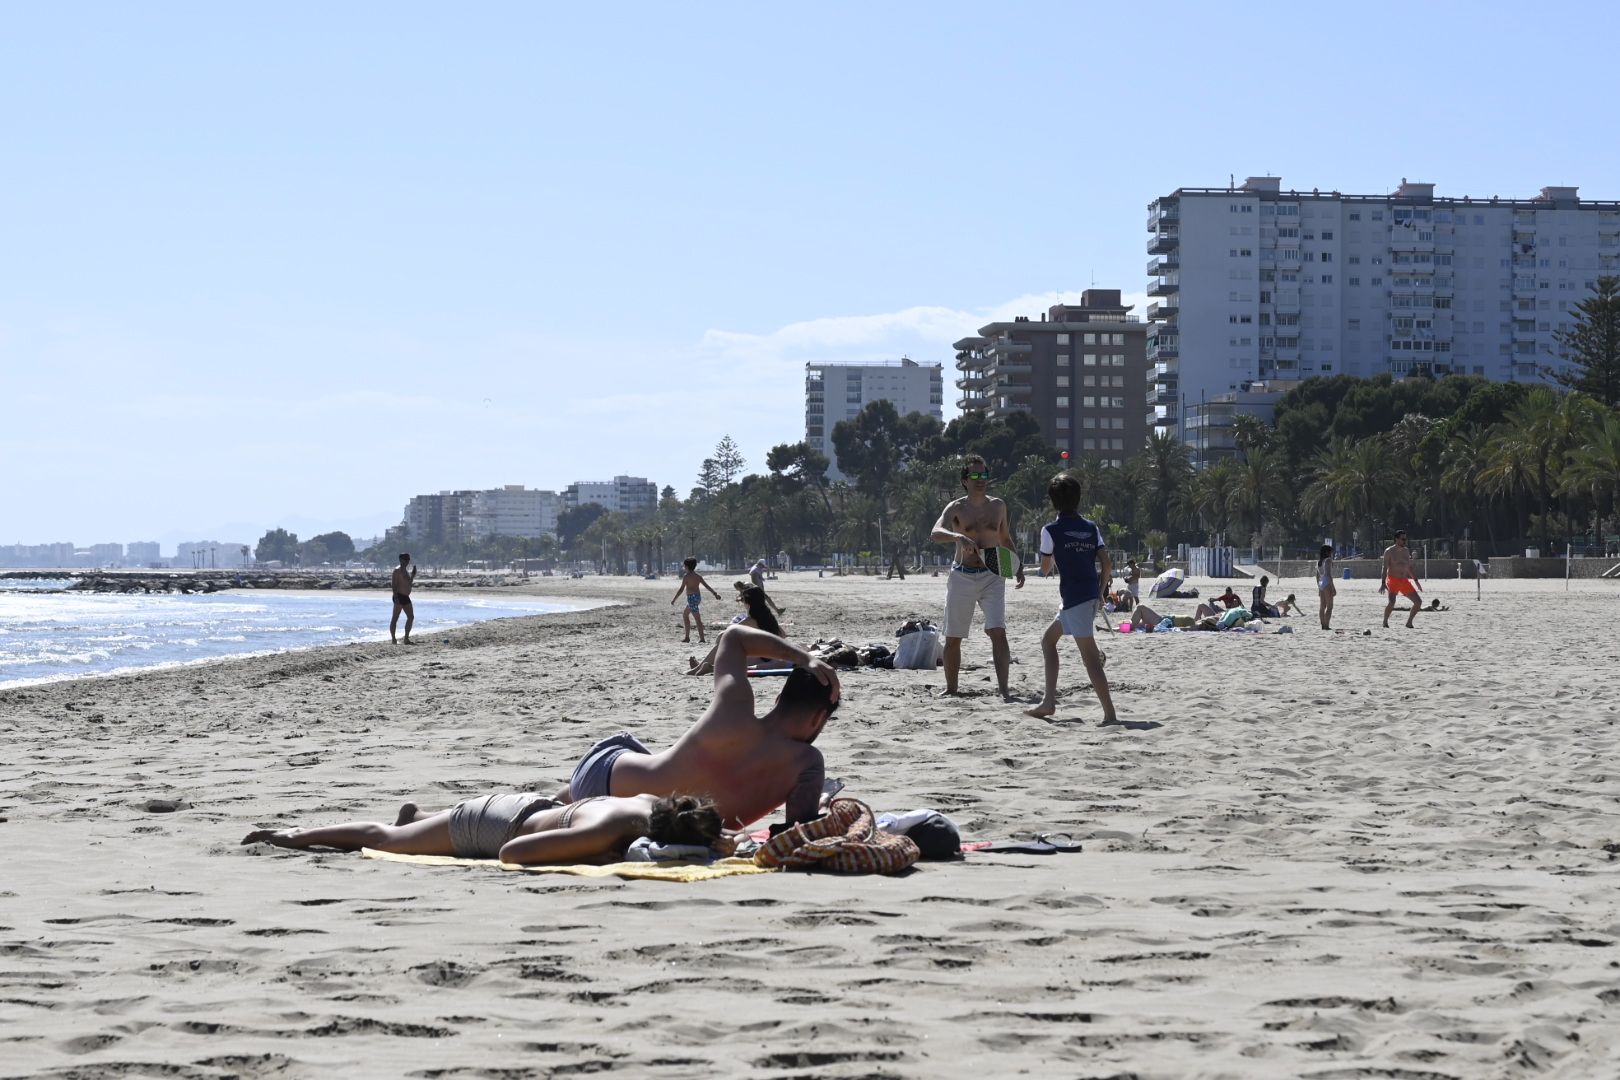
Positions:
{"x": 1508, "y": 471}
{"x": 1328, "y": 494}
{"x": 1260, "y": 489}
{"x": 1205, "y": 502}
{"x": 1165, "y": 470}
{"x": 1593, "y": 467}
{"x": 1371, "y": 483}
{"x": 1462, "y": 457}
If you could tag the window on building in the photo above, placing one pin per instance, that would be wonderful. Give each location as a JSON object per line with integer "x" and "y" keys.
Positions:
{"x": 1089, "y": 380}
{"x": 1090, "y": 359}
{"x": 1089, "y": 402}
{"x": 1063, "y": 339}
{"x": 1062, "y": 402}
{"x": 1063, "y": 380}
{"x": 1063, "y": 423}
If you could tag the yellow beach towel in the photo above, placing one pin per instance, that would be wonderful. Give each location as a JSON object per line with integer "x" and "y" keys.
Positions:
{"x": 645, "y": 871}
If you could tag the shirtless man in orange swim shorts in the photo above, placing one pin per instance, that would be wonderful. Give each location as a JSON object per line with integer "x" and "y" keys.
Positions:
{"x": 1400, "y": 577}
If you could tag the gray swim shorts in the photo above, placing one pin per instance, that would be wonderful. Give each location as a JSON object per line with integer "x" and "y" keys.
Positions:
{"x": 594, "y": 773}
{"x": 480, "y": 827}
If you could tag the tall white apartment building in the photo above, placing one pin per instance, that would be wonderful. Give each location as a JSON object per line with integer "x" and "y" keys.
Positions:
{"x": 1253, "y": 283}
{"x": 834, "y": 392}
{"x": 513, "y": 510}
{"x": 622, "y": 494}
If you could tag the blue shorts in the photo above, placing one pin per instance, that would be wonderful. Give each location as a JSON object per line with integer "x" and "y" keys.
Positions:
{"x": 593, "y": 775}
{"x": 1078, "y": 621}
{"x": 693, "y": 600}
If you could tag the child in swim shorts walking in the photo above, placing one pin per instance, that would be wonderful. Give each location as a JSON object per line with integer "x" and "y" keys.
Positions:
{"x": 1074, "y": 547}
{"x": 692, "y": 584}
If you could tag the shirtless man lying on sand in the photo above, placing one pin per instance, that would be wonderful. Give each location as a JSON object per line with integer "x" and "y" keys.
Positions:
{"x": 749, "y": 764}
{"x": 522, "y": 828}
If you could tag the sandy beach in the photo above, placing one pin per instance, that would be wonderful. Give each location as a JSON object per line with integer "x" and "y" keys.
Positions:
{"x": 1310, "y": 855}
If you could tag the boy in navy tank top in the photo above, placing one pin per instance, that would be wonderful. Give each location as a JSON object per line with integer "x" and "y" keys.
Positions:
{"x": 1073, "y": 546}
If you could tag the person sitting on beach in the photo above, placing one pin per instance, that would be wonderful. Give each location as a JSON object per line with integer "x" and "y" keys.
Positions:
{"x": 521, "y": 827}
{"x": 692, "y": 584}
{"x": 1436, "y": 605}
{"x": 750, "y": 764}
{"x": 1229, "y": 598}
{"x": 1258, "y": 602}
{"x": 756, "y": 613}
{"x": 1287, "y": 607}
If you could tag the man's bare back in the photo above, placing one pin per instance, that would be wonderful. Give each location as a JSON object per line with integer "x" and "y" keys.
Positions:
{"x": 747, "y": 764}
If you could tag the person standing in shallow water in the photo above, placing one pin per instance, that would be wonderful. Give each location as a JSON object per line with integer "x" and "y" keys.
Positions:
{"x": 403, "y": 580}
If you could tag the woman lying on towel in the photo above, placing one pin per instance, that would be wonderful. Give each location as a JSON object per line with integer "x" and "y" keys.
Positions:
{"x": 522, "y": 828}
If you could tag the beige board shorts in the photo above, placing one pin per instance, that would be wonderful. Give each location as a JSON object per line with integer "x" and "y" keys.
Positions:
{"x": 964, "y": 591}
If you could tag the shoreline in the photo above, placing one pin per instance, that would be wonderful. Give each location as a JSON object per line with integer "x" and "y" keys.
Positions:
{"x": 575, "y": 606}
{"x": 1306, "y": 853}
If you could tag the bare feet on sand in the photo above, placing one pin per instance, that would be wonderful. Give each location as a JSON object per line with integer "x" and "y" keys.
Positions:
{"x": 407, "y": 814}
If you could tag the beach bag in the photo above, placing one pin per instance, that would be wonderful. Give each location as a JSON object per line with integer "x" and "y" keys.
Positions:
{"x": 846, "y": 840}
{"x": 919, "y": 648}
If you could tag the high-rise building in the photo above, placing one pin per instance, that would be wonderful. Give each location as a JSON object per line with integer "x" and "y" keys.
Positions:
{"x": 513, "y": 510}
{"x": 437, "y": 519}
{"x": 622, "y": 494}
{"x": 1254, "y": 283}
{"x": 142, "y": 553}
{"x": 835, "y": 392}
{"x": 1080, "y": 372}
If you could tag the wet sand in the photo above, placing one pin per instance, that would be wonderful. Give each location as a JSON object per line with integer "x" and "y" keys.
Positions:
{"x": 1315, "y": 854}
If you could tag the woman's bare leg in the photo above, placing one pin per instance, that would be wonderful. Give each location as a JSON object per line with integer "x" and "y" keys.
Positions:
{"x": 425, "y": 836}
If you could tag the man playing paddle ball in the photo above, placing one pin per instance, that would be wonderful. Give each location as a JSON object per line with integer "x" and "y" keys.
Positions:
{"x": 1400, "y": 577}
{"x": 977, "y": 524}
{"x": 748, "y": 764}
{"x": 403, "y": 580}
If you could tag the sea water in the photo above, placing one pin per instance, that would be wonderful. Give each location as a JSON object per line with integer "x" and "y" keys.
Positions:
{"x": 46, "y": 635}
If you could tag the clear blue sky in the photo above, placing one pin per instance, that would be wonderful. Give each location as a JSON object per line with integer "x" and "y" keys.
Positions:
{"x": 293, "y": 264}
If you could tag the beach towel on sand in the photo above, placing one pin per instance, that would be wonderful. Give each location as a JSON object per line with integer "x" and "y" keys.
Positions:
{"x": 643, "y": 871}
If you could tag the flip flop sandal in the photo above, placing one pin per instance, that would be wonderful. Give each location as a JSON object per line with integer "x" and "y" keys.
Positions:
{"x": 1019, "y": 847}
{"x": 1060, "y": 841}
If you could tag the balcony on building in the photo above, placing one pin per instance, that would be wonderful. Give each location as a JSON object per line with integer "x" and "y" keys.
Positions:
{"x": 1009, "y": 347}
{"x": 973, "y": 380}
{"x": 1286, "y": 301}
{"x": 1162, "y": 212}
{"x": 1163, "y": 309}
{"x": 1013, "y": 367}
{"x": 968, "y": 364}
{"x": 1165, "y": 286}
{"x": 1164, "y": 242}
{"x": 1161, "y": 395}
{"x": 972, "y": 402}
{"x": 1163, "y": 264}
{"x": 1167, "y": 371}
{"x": 1019, "y": 390}
{"x": 1163, "y": 346}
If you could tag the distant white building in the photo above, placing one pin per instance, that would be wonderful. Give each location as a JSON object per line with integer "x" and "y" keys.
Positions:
{"x": 142, "y": 553}
{"x": 1254, "y": 283}
{"x": 513, "y": 510}
{"x": 212, "y": 554}
{"x": 621, "y": 495}
{"x": 836, "y": 392}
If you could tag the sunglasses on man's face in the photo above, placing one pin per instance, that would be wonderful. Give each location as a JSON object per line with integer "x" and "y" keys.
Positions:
{"x": 978, "y": 476}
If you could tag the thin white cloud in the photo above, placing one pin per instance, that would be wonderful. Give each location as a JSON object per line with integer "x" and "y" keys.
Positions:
{"x": 925, "y": 333}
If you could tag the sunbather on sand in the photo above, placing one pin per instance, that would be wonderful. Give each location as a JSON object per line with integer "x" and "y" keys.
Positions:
{"x": 751, "y": 764}
{"x": 520, "y": 827}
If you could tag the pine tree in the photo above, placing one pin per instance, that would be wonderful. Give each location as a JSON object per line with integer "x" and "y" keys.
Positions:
{"x": 728, "y": 460}
{"x": 1592, "y": 345}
